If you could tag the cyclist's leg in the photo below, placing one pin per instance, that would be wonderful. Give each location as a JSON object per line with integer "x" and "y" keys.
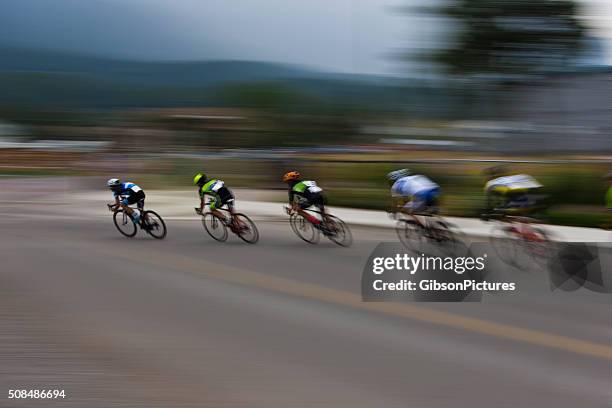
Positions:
{"x": 214, "y": 204}
{"x": 420, "y": 202}
{"x": 319, "y": 201}
{"x": 125, "y": 204}
{"x": 302, "y": 205}
{"x": 432, "y": 200}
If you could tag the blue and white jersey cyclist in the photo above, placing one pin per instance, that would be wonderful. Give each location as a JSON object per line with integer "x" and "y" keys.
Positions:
{"x": 126, "y": 194}
{"x": 413, "y": 193}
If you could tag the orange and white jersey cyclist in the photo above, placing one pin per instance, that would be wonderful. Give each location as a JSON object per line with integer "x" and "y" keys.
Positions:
{"x": 304, "y": 194}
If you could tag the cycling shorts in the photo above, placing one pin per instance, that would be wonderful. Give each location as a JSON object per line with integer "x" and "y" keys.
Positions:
{"x": 222, "y": 197}
{"x": 314, "y": 199}
{"x": 137, "y": 198}
{"x": 424, "y": 200}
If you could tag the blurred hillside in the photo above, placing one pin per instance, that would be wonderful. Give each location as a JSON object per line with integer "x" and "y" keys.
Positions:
{"x": 40, "y": 78}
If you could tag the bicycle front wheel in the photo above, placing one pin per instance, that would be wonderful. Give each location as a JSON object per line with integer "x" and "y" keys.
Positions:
{"x": 304, "y": 228}
{"x": 448, "y": 237}
{"x": 339, "y": 232}
{"x": 246, "y": 230}
{"x": 154, "y": 225}
{"x": 124, "y": 223}
{"x": 215, "y": 226}
{"x": 409, "y": 234}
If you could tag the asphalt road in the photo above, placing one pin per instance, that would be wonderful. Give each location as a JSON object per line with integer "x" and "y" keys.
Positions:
{"x": 189, "y": 322}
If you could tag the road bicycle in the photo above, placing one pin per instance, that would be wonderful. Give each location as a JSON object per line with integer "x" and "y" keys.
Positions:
{"x": 150, "y": 221}
{"x": 420, "y": 232}
{"x": 310, "y": 228}
{"x": 516, "y": 236}
{"x": 217, "y": 226}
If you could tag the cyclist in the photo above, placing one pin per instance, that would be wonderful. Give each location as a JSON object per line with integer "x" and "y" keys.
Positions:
{"x": 510, "y": 193}
{"x": 413, "y": 193}
{"x": 220, "y": 194}
{"x": 608, "y": 178}
{"x": 127, "y": 194}
{"x": 304, "y": 194}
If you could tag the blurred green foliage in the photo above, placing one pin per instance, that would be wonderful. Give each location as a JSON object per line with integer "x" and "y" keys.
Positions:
{"x": 576, "y": 192}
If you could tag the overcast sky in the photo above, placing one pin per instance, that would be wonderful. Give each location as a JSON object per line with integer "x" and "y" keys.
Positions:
{"x": 356, "y": 36}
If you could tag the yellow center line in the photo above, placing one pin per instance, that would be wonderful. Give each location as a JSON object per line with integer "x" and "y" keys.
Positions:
{"x": 343, "y": 298}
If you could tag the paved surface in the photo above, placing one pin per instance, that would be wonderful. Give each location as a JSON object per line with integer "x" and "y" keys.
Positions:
{"x": 188, "y": 322}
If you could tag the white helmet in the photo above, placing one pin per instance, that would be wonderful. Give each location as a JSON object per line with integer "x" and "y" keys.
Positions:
{"x": 114, "y": 182}
{"x": 398, "y": 174}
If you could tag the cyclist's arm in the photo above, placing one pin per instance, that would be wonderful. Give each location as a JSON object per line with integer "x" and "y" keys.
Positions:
{"x": 395, "y": 204}
{"x": 202, "y": 202}
{"x": 292, "y": 202}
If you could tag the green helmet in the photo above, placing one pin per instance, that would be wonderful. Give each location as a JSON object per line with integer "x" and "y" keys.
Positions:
{"x": 199, "y": 178}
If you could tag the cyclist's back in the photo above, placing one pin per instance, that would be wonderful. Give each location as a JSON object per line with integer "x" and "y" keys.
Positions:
{"x": 409, "y": 186}
{"x": 515, "y": 184}
{"x": 413, "y": 193}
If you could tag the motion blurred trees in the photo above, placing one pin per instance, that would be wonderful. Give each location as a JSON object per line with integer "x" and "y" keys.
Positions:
{"x": 506, "y": 38}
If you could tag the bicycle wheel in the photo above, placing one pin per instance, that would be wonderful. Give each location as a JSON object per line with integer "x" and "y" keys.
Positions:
{"x": 539, "y": 246}
{"x": 409, "y": 234}
{"x": 215, "y": 226}
{"x": 304, "y": 228}
{"x": 506, "y": 244}
{"x": 247, "y": 230}
{"x": 339, "y": 232}
{"x": 124, "y": 224}
{"x": 154, "y": 225}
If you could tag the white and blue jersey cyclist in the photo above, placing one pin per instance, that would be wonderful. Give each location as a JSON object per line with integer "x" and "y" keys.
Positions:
{"x": 413, "y": 193}
{"x": 126, "y": 194}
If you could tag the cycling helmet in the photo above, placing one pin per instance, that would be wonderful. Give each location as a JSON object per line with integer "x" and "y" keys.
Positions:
{"x": 398, "y": 174}
{"x": 497, "y": 171}
{"x": 292, "y": 175}
{"x": 199, "y": 178}
{"x": 114, "y": 182}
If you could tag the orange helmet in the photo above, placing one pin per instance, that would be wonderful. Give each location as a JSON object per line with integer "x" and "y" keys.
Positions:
{"x": 292, "y": 175}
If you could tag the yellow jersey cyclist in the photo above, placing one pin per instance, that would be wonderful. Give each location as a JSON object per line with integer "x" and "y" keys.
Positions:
{"x": 304, "y": 194}
{"x": 511, "y": 193}
{"x": 219, "y": 193}
{"x": 413, "y": 193}
{"x": 127, "y": 194}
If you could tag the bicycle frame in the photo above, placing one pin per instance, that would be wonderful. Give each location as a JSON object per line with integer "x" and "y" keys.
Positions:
{"x": 520, "y": 225}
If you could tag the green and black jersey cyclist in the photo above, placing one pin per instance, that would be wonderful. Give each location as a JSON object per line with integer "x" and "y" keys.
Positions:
{"x": 304, "y": 194}
{"x": 219, "y": 193}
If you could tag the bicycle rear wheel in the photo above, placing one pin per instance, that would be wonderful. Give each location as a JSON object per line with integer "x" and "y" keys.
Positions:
{"x": 154, "y": 225}
{"x": 304, "y": 228}
{"x": 247, "y": 230}
{"x": 506, "y": 244}
{"x": 124, "y": 223}
{"x": 339, "y": 232}
{"x": 215, "y": 226}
